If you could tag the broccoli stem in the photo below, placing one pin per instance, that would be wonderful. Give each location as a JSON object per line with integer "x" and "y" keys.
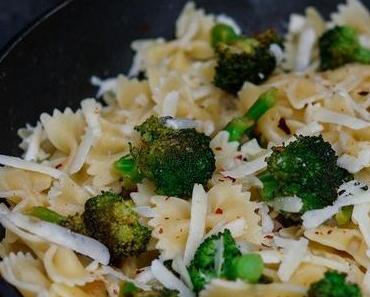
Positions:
{"x": 47, "y": 215}
{"x": 222, "y": 33}
{"x": 344, "y": 216}
{"x": 244, "y": 124}
{"x": 248, "y": 267}
{"x": 128, "y": 289}
{"x": 127, "y": 167}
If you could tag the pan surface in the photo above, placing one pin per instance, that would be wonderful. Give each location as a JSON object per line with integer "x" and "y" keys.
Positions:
{"x": 50, "y": 64}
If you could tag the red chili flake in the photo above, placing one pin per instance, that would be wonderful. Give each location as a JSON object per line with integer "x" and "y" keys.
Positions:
{"x": 217, "y": 148}
{"x": 219, "y": 211}
{"x": 269, "y": 236}
{"x": 283, "y": 126}
{"x": 58, "y": 165}
{"x": 160, "y": 231}
{"x": 239, "y": 157}
{"x": 363, "y": 93}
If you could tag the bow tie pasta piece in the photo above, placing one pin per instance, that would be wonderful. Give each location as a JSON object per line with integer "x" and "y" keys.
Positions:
{"x": 222, "y": 288}
{"x": 227, "y": 203}
{"x": 64, "y": 131}
{"x": 63, "y": 266}
{"x": 25, "y": 273}
{"x": 341, "y": 239}
{"x": 23, "y": 187}
{"x": 67, "y": 197}
{"x": 171, "y": 225}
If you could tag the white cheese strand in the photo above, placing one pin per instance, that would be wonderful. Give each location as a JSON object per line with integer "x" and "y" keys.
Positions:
{"x": 197, "y": 224}
{"x": 29, "y": 165}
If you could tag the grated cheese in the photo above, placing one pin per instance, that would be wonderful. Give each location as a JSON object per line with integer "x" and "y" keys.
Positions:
{"x": 169, "y": 106}
{"x": 307, "y": 39}
{"x": 59, "y": 235}
{"x": 197, "y": 222}
{"x": 294, "y": 252}
{"x": 248, "y": 168}
{"x": 91, "y": 111}
{"x": 290, "y": 204}
{"x": 169, "y": 280}
{"x": 324, "y": 115}
{"x": 30, "y": 166}
{"x": 104, "y": 85}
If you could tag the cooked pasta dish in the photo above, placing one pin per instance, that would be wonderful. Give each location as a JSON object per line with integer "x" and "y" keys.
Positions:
{"x": 221, "y": 164}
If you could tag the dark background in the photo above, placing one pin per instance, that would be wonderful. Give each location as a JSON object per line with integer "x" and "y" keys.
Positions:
{"x": 15, "y": 15}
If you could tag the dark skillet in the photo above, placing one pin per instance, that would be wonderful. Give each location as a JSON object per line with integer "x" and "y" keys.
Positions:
{"x": 49, "y": 65}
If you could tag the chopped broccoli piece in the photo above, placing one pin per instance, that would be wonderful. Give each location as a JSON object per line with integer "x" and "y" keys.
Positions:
{"x": 241, "y": 125}
{"x": 173, "y": 159}
{"x": 74, "y": 223}
{"x": 111, "y": 219}
{"x": 209, "y": 263}
{"x": 241, "y": 59}
{"x": 222, "y": 33}
{"x": 306, "y": 168}
{"x": 339, "y": 46}
{"x": 153, "y": 128}
{"x": 47, "y": 215}
{"x": 203, "y": 267}
{"x": 248, "y": 267}
{"x": 129, "y": 289}
{"x": 334, "y": 284}
{"x": 344, "y": 215}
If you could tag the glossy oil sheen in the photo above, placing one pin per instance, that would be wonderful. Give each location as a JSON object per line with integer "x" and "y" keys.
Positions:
{"x": 49, "y": 66}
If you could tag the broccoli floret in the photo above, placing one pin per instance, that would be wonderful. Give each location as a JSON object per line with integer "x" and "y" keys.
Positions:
{"x": 109, "y": 219}
{"x": 208, "y": 264}
{"x": 129, "y": 289}
{"x": 241, "y": 59}
{"x": 339, "y": 46}
{"x": 244, "y": 124}
{"x": 174, "y": 159}
{"x": 203, "y": 269}
{"x": 306, "y": 168}
{"x": 153, "y": 128}
{"x": 334, "y": 284}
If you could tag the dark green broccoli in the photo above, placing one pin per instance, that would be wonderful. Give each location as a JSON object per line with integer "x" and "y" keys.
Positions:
{"x": 208, "y": 264}
{"x": 241, "y": 59}
{"x": 244, "y": 124}
{"x": 174, "y": 159}
{"x": 339, "y": 46}
{"x": 109, "y": 219}
{"x": 129, "y": 289}
{"x": 306, "y": 168}
{"x": 334, "y": 284}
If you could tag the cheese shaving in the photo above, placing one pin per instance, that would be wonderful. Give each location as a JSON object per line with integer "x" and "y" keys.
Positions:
{"x": 29, "y": 165}
{"x": 59, "y": 235}
{"x": 169, "y": 280}
{"x": 324, "y": 115}
{"x": 197, "y": 222}
{"x": 294, "y": 252}
{"x": 247, "y": 168}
